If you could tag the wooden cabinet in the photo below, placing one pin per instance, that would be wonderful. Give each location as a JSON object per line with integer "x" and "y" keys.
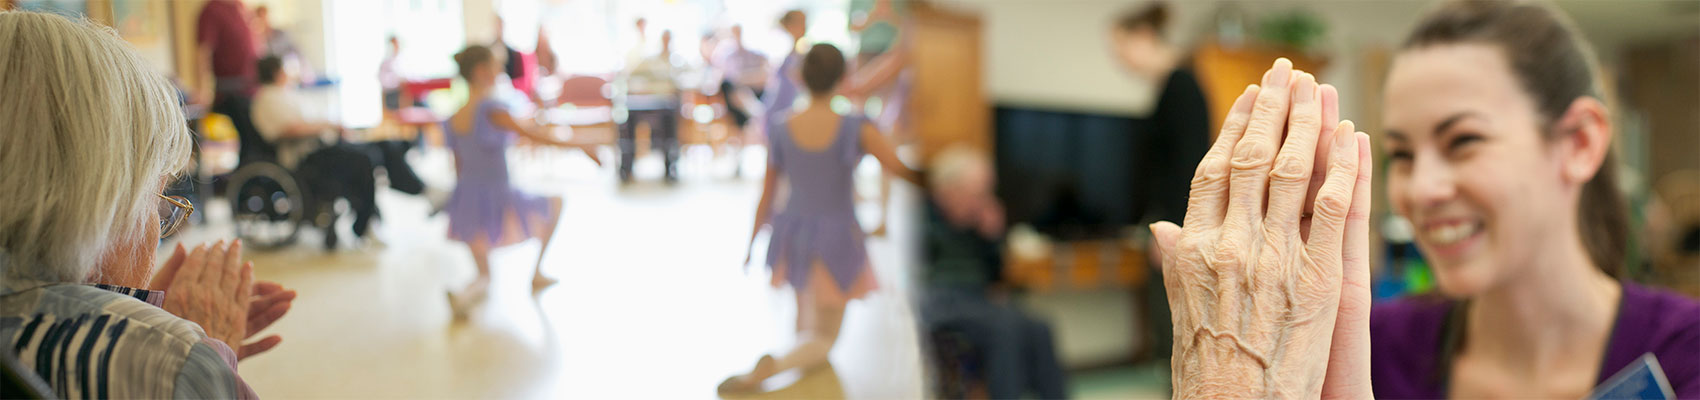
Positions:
{"x": 948, "y": 101}
{"x": 1224, "y": 73}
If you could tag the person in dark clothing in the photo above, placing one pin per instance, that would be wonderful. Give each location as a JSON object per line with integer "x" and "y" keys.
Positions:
{"x": 225, "y": 54}
{"x": 743, "y": 69}
{"x": 964, "y": 298}
{"x": 1178, "y": 136}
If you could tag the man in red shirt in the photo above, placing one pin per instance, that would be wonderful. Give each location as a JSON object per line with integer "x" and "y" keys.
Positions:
{"x": 226, "y": 47}
{"x": 225, "y": 56}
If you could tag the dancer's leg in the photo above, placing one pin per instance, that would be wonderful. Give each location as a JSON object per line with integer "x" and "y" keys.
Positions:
{"x": 824, "y": 321}
{"x": 885, "y": 204}
{"x": 547, "y": 232}
{"x": 463, "y": 301}
{"x": 819, "y": 326}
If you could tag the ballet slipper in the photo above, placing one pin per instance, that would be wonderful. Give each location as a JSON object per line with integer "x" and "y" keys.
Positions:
{"x": 751, "y": 382}
{"x": 468, "y": 299}
{"x": 878, "y": 232}
{"x": 458, "y": 307}
{"x": 540, "y": 282}
{"x": 590, "y": 151}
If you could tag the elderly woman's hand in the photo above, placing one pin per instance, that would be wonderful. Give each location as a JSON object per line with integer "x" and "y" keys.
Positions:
{"x": 1254, "y": 283}
{"x": 269, "y": 303}
{"x": 210, "y": 286}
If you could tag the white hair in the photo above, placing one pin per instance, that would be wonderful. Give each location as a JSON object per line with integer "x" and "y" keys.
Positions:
{"x": 950, "y": 165}
{"x": 87, "y": 132}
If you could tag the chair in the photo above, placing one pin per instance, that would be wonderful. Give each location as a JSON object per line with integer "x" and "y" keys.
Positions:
{"x": 592, "y": 108}
{"x": 412, "y": 115}
{"x": 693, "y": 131}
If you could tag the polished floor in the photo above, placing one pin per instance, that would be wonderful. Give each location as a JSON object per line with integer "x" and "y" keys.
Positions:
{"x": 652, "y": 302}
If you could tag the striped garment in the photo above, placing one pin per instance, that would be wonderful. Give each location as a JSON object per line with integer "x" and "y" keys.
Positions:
{"x": 101, "y": 341}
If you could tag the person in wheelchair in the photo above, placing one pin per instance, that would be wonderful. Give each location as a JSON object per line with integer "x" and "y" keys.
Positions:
{"x": 312, "y": 148}
{"x": 980, "y": 338}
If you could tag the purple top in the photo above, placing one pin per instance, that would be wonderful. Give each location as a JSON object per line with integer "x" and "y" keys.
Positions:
{"x": 484, "y": 197}
{"x": 1408, "y": 337}
{"x": 819, "y": 220}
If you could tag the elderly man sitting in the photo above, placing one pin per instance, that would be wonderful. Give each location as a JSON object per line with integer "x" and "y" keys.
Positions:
{"x": 964, "y": 293}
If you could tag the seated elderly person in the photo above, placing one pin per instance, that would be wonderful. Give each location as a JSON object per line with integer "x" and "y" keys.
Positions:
{"x": 964, "y": 292}
{"x": 306, "y": 143}
{"x": 80, "y": 219}
{"x": 281, "y": 115}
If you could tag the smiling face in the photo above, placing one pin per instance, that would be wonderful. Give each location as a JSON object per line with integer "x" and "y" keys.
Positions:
{"x": 1468, "y": 166}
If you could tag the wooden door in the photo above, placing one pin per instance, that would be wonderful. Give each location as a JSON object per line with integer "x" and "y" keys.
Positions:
{"x": 948, "y": 100}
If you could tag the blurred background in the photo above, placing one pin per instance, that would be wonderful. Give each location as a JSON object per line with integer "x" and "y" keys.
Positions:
{"x": 1044, "y": 97}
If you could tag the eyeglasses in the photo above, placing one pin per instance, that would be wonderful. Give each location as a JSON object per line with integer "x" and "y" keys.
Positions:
{"x": 174, "y": 214}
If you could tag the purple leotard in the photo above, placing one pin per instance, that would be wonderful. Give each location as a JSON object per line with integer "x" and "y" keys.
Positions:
{"x": 484, "y": 198}
{"x": 819, "y": 220}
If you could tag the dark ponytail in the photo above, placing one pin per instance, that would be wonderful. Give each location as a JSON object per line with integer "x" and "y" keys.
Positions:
{"x": 468, "y": 59}
{"x": 1555, "y": 67}
{"x": 823, "y": 68}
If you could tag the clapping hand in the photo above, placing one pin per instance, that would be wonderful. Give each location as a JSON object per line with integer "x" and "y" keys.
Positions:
{"x": 212, "y": 287}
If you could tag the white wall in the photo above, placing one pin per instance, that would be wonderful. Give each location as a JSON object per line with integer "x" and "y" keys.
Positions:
{"x": 359, "y": 29}
{"x": 479, "y": 20}
{"x": 1057, "y": 54}
{"x": 305, "y": 22}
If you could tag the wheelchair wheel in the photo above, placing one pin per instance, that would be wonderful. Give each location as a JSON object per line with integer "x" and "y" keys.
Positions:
{"x": 268, "y": 205}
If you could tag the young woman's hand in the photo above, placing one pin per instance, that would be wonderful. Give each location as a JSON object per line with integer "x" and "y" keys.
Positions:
{"x": 210, "y": 286}
{"x": 1254, "y": 287}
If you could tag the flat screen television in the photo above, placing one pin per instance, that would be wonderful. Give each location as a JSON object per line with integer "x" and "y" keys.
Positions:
{"x": 1070, "y": 174}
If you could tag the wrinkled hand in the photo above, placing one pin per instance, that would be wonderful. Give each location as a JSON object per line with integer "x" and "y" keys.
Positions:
{"x": 270, "y": 302}
{"x": 1255, "y": 285}
{"x": 209, "y": 286}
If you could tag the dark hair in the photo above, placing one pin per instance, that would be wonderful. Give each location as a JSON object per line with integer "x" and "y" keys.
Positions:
{"x": 1153, "y": 16}
{"x": 823, "y": 67}
{"x": 1555, "y": 67}
{"x": 267, "y": 69}
{"x": 470, "y": 58}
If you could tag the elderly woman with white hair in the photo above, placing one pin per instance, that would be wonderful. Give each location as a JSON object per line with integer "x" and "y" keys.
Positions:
{"x": 90, "y": 136}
